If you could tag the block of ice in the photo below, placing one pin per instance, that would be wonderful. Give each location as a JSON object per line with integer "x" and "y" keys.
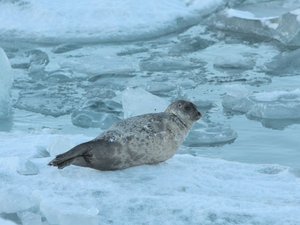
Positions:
{"x": 59, "y": 145}
{"x": 282, "y": 25}
{"x": 38, "y": 60}
{"x": 6, "y": 80}
{"x": 210, "y": 135}
{"x": 64, "y": 211}
{"x": 13, "y": 199}
{"x": 137, "y": 101}
{"x": 97, "y": 113}
{"x": 121, "y": 20}
{"x": 163, "y": 64}
{"x": 286, "y": 63}
{"x": 6, "y": 222}
{"x": 29, "y": 218}
{"x": 27, "y": 167}
{"x": 55, "y": 100}
{"x": 276, "y": 105}
{"x": 275, "y": 109}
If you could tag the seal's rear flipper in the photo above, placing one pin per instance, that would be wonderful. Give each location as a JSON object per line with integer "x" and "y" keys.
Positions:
{"x": 78, "y": 152}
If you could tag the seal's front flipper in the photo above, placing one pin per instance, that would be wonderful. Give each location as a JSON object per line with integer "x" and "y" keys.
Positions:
{"x": 79, "y": 153}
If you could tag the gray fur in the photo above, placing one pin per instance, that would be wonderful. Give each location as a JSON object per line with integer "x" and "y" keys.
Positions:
{"x": 145, "y": 139}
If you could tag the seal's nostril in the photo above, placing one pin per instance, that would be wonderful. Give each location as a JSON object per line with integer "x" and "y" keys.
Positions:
{"x": 199, "y": 114}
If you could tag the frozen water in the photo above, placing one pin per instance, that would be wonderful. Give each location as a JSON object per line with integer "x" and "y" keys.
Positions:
{"x": 282, "y": 25}
{"x": 26, "y": 167}
{"x": 6, "y": 222}
{"x": 209, "y": 191}
{"x": 38, "y": 60}
{"x": 287, "y": 63}
{"x": 69, "y": 86}
{"x": 67, "y": 212}
{"x": 94, "y": 21}
{"x": 137, "y": 101}
{"x": 210, "y": 135}
{"x": 6, "y": 80}
{"x": 29, "y": 218}
{"x": 281, "y": 108}
{"x": 97, "y": 113}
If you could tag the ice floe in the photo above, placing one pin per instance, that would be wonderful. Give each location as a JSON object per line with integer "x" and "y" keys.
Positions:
{"x": 275, "y": 109}
{"x": 182, "y": 190}
{"x": 94, "y": 21}
{"x": 6, "y": 80}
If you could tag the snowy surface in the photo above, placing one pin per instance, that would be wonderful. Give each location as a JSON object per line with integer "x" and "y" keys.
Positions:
{"x": 92, "y": 20}
{"x": 239, "y": 64}
{"x": 183, "y": 190}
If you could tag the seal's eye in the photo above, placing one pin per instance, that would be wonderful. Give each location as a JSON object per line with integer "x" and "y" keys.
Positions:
{"x": 179, "y": 105}
{"x": 187, "y": 108}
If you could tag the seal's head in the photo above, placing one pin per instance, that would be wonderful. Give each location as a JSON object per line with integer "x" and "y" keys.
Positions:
{"x": 186, "y": 111}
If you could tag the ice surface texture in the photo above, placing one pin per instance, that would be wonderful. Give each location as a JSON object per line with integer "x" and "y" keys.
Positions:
{"x": 6, "y": 80}
{"x": 276, "y": 109}
{"x": 282, "y": 25}
{"x": 183, "y": 190}
{"x": 65, "y": 76}
{"x": 94, "y": 21}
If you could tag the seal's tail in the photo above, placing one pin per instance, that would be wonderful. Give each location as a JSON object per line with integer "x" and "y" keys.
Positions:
{"x": 67, "y": 158}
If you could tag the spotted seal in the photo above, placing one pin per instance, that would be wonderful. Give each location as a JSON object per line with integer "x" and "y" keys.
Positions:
{"x": 145, "y": 139}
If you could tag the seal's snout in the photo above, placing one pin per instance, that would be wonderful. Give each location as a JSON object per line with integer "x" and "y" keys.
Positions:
{"x": 198, "y": 116}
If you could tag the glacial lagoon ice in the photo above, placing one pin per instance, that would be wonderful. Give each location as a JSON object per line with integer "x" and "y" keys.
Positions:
{"x": 282, "y": 23}
{"x": 6, "y": 80}
{"x": 99, "y": 21}
{"x": 275, "y": 109}
{"x": 69, "y": 86}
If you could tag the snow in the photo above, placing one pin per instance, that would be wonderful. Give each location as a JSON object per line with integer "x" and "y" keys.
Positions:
{"x": 182, "y": 190}
{"x": 74, "y": 78}
{"x": 6, "y": 222}
{"x": 92, "y": 20}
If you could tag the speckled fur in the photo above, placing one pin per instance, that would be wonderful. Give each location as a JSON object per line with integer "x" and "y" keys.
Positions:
{"x": 145, "y": 139}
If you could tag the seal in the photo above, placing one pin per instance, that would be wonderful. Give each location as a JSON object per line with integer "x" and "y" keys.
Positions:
{"x": 145, "y": 139}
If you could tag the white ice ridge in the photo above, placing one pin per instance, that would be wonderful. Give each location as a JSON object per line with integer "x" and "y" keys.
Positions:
{"x": 6, "y": 80}
{"x": 183, "y": 190}
{"x": 137, "y": 101}
{"x": 94, "y": 20}
{"x": 265, "y": 105}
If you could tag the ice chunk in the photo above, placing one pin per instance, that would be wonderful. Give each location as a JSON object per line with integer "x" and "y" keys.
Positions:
{"x": 59, "y": 145}
{"x": 55, "y": 100}
{"x": 6, "y": 80}
{"x": 162, "y": 64}
{"x": 6, "y": 222}
{"x": 65, "y": 48}
{"x": 137, "y": 101}
{"x": 29, "y": 218}
{"x": 27, "y": 167}
{"x": 276, "y": 105}
{"x": 94, "y": 21}
{"x": 67, "y": 212}
{"x": 287, "y": 63}
{"x": 210, "y": 135}
{"x": 38, "y": 60}
{"x": 14, "y": 200}
{"x": 237, "y": 99}
{"x": 283, "y": 25}
{"x": 189, "y": 44}
{"x": 97, "y": 113}
{"x": 132, "y": 51}
{"x": 275, "y": 109}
